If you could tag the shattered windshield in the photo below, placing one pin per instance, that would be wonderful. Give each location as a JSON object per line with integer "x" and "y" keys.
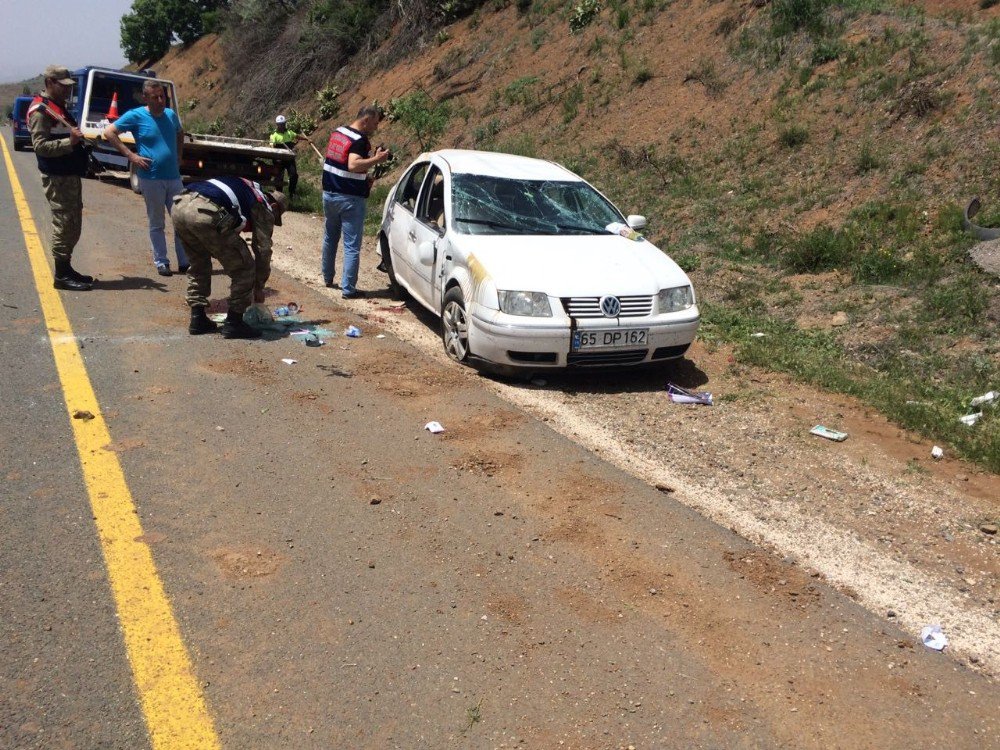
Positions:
{"x": 498, "y": 205}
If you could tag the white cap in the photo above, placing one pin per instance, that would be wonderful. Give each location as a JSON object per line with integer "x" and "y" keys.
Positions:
{"x": 280, "y": 119}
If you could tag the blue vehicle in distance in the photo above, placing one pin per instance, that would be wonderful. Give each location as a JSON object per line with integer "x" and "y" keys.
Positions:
{"x": 19, "y": 115}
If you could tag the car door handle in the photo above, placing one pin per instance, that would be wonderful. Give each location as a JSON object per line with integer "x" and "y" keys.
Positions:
{"x": 412, "y": 236}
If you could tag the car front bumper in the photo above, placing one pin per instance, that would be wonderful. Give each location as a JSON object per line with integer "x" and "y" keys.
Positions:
{"x": 546, "y": 343}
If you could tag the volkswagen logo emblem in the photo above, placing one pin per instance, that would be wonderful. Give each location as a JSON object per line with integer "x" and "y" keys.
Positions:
{"x": 611, "y": 307}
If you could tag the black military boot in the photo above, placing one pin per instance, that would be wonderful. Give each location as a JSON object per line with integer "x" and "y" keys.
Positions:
{"x": 235, "y": 328}
{"x": 64, "y": 278}
{"x": 200, "y": 322}
{"x": 81, "y": 277}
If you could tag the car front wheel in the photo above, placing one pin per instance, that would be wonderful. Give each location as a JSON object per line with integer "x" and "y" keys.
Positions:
{"x": 455, "y": 325}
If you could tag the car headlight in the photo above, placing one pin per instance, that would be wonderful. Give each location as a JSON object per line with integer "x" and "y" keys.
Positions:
{"x": 531, "y": 304}
{"x": 675, "y": 299}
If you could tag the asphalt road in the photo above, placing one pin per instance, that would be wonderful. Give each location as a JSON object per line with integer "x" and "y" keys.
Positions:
{"x": 342, "y": 578}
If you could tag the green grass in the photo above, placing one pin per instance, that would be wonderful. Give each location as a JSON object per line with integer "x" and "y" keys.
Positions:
{"x": 933, "y": 297}
{"x": 571, "y": 102}
{"x": 868, "y": 159}
{"x": 793, "y": 136}
{"x": 901, "y": 391}
{"x": 376, "y": 201}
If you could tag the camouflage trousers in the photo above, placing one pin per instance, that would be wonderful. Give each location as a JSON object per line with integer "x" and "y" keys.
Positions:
{"x": 195, "y": 221}
{"x": 65, "y": 196}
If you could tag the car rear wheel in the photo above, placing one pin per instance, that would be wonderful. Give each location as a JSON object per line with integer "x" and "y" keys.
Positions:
{"x": 455, "y": 325}
{"x": 133, "y": 179}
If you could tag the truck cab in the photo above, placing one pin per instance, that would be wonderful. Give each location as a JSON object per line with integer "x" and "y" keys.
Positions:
{"x": 19, "y": 115}
{"x": 203, "y": 156}
{"x": 91, "y": 104}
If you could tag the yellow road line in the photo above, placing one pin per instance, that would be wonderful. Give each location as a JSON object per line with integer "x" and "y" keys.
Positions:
{"x": 172, "y": 702}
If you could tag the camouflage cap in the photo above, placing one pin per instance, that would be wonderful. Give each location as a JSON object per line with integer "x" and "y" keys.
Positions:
{"x": 58, "y": 73}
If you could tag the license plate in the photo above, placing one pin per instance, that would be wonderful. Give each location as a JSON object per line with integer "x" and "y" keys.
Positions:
{"x": 613, "y": 338}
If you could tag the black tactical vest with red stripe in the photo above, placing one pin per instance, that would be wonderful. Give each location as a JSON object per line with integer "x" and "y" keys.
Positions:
{"x": 74, "y": 163}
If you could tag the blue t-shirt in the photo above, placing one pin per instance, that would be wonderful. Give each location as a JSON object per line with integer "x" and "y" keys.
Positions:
{"x": 156, "y": 138}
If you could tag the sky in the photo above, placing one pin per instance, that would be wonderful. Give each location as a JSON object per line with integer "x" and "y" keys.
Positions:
{"x": 38, "y": 33}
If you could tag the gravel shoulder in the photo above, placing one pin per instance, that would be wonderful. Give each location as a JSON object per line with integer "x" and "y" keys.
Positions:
{"x": 876, "y": 515}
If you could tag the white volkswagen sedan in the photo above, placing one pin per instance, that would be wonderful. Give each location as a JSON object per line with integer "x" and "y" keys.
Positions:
{"x": 529, "y": 266}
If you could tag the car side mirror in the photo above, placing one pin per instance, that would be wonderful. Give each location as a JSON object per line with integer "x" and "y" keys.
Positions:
{"x": 425, "y": 252}
{"x": 636, "y": 222}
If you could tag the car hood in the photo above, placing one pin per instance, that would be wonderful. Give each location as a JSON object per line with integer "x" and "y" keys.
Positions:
{"x": 574, "y": 265}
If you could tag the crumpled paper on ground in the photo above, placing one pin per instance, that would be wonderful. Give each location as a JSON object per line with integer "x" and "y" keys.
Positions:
{"x": 933, "y": 637}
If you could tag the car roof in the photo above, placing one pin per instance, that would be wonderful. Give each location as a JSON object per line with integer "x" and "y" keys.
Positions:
{"x": 493, "y": 164}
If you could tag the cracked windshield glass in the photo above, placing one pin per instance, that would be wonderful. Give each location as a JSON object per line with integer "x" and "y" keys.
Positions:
{"x": 497, "y": 205}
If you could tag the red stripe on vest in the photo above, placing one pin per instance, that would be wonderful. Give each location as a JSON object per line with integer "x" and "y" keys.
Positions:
{"x": 50, "y": 105}
{"x": 338, "y": 147}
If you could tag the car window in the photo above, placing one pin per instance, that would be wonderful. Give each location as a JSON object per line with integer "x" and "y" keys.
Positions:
{"x": 432, "y": 199}
{"x": 410, "y": 186}
{"x": 499, "y": 205}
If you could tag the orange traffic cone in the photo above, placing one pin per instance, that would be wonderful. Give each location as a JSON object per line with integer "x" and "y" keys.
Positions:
{"x": 113, "y": 111}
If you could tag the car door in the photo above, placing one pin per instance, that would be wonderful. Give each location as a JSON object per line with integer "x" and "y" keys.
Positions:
{"x": 429, "y": 226}
{"x": 401, "y": 222}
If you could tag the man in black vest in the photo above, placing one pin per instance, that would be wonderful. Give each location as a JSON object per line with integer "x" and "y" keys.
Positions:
{"x": 62, "y": 160}
{"x": 346, "y": 185}
{"x": 208, "y": 217}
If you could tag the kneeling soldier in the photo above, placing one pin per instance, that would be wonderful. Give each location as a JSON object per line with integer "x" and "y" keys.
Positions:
{"x": 209, "y": 217}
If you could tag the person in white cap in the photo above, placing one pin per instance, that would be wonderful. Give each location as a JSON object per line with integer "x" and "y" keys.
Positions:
{"x": 285, "y": 138}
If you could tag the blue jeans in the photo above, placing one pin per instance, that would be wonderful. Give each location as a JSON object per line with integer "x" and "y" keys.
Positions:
{"x": 159, "y": 195}
{"x": 345, "y": 215}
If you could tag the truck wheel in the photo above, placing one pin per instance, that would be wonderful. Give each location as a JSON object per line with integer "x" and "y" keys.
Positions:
{"x": 133, "y": 179}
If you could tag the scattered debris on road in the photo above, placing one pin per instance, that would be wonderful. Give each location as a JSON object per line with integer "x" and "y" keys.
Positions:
{"x": 987, "y": 398}
{"x": 933, "y": 637}
{"x": 353, "y": 332}
{"x": 289, "y": 361}
{"x": 937, "y": 452}
{"x": 434, "y": 427}
{"x": 826, "y": 432}
{"x": 83, "y": 414}
{"x": 683, "y": 396}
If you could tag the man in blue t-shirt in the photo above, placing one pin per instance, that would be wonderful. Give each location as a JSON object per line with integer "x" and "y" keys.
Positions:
{"x": 159, "y": 140}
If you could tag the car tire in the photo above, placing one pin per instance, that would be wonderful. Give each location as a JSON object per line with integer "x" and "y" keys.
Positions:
{"x": 455, "y": 325}
{"x": 396, "y": 290}
{"x": 133, "y": 179}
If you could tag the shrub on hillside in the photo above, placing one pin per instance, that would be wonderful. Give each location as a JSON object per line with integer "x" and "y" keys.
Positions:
{"x": 822, "y": 249}
{"x": 327, "y": 98}
{"x": 583, "y": 14}
{"x": 421, "y": 115}
{"x": 789, "y": 16}
{"x": 793, "y": 136}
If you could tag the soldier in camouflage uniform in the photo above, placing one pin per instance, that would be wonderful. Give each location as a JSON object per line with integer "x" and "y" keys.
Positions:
{"x": 208, "y": 217}
{"x": 62, "y": 160}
